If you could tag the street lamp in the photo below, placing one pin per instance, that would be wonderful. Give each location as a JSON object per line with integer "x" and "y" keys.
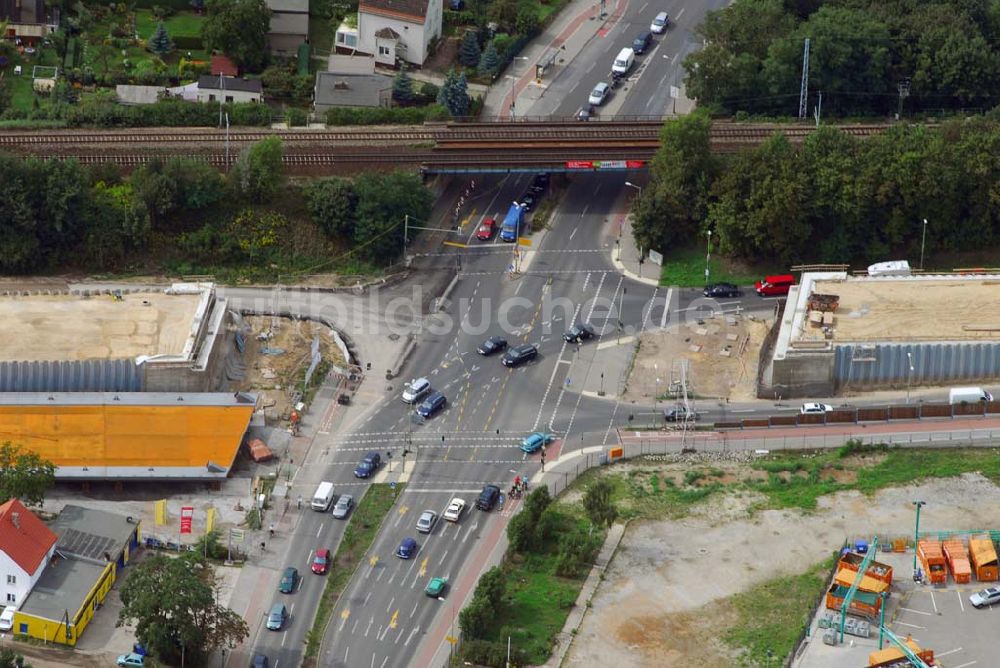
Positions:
{"x": 909, "y": 377}
{"x": 513, "y": 79}
{"x": 916, "y": 533}
{"x": 708, "y": 255}
{"x": 923, "y": 241}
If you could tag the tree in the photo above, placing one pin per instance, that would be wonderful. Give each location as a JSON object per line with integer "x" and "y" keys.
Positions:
{"x": 24, "y": 475}
{"x": 332, "y": 205}
{"x": 521, "y": 533}
{"x": 469, "y": 52}
{"x": 598, "y": 504}
{"x": 526, "y": 21}
{"x": 491, "y": 587}
{"x": 476, "y": 618}
{"x": 160, "y": 43}
{"x": 172, "y": 604}
{"x": 537, "y": 501}
{"x": 257, "y": 174}
{"x": 454, "y": 94}
{"x": 489, "y": 62}
{"x": 383, "y": 202}
{"x": 238, "y": 28}
{"x": 402, "y": 87}
{"x": 11, "y": 659}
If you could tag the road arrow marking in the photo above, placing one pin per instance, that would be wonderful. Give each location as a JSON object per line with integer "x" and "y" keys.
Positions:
{"x": 373, "y": 561}
{"x": 423, "y": 567}
{"x": 395, "y": 619}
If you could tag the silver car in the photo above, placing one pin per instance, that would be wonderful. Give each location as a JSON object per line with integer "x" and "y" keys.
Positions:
{"x": 427, "y": 520}
{"x": 343, "y": 507}
{"x": 599, "y": 94}
{"x": 988, "y": 596}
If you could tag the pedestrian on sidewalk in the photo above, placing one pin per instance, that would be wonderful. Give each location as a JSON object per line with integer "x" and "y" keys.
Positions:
{"x": 270, "y": 530}
{"x": 298, "y": 502}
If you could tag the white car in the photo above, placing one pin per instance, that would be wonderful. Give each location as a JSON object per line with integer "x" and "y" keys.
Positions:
{"x": 415, "y": 390}
{"x": 660, "y": 23}
{"x": 813, "y": 408}
{"x": 427, "y": 520}
{"x": 987, "y": 596}
{"x": 455, "y": 509}
{"x": 599, "y": 94}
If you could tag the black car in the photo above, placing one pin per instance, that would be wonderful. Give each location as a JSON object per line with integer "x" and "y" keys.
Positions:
{"x": 585, "y": 113}
{"x": 528, "y": 201}
{"x": 494, "y": 344}
{"x": 368, "y": 465}
{"x": 540, "y": 183}
{"x": 642, "y": 42}
{"x": 519, "y": 355}
{"x": 432, "y": 404}
{"x": 721, "y": 290}
{"x": 488, "y": 498}
{"x": 679, "y": 414}
{"x": 579, "y": 332}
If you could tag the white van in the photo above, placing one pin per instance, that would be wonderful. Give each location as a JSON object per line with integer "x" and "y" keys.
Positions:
{"x": 623, "y": 61}
{"x": 968, "y": 395}
{"x": 415, "y": 390}
{"x": 7, "y": 618}
{"x": 659, "y": 24}
{"x": 323, "y": 497}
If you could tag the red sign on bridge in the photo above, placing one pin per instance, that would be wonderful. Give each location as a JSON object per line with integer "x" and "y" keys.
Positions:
{"x": 605, "y": 164}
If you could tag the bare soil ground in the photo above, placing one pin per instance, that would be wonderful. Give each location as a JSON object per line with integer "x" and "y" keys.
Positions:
{"x": 663, "y": 598}
{"x": 710, "y": 373}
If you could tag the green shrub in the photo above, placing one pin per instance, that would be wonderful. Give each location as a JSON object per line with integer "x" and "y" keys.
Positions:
{"x": 187, "y": 43}
{"x": 385, "y": 116}
{"x": 296, "y": 117}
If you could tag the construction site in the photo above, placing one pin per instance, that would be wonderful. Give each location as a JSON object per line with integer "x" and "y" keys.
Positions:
{"x": 842, "y": 333}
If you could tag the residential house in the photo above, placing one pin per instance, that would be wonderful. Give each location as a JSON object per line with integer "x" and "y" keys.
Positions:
{"x": 289, "y": 26}
{"x": 26, "y": 546}
{"x": 398, "y": 29}
{"x": 351, "y": 89}
{"x": 229, "y": 89}
{"x": 28, "y": 21}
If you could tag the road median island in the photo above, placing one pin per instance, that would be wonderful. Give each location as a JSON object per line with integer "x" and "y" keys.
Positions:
{"x": 363, "y": 526}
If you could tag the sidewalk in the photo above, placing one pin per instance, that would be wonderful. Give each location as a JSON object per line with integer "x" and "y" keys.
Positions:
{"x": 625, "y": 254}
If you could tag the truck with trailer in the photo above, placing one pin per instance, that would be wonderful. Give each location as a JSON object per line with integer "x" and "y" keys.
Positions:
{"x": 968, "y": 395}
{"x": 511, "y": 228}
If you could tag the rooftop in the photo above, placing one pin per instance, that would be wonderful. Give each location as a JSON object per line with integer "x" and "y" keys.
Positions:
{"x": 351, "y": 90}
{"x": 951, "y": 308}
{"x": 91, "y": 534}
{"x": 62, "y": 588}
{"x": 400, "y": 8}
{"x": 126, "y": 399}
{"x": 23, "y": 537}
{"x": 210, "y": 82}
{"x": 57, "y": 327}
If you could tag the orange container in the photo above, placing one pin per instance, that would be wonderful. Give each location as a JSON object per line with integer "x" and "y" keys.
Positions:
{"x": 864, "y": 603}
{"x": 876, "y": 569}
{"x": 893, "y": 656}
{"x": 932, "y": 558}
{"x": 983, "y": 556}
{"x": 958, "y": 560}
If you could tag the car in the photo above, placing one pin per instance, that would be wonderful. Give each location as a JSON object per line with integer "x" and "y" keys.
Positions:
{"x": 585, "y": 113}
{"x": 486, "y": 229}
{"x": 488, "y": 498}
{"x": 579, "y": 332}
{"x": 321, "y": 561}
{"x": 988, "y": 596}
{"x": 258, "y": 661}
{"x": 368, "y": 466}
{"x": 131, "y": 659}
{"x": 407, "y": 548}
{"x": 276, "y": 618}
{"x": 416, "y": 389}
{"x": 289, "y": 578}
{"x": 599, "y": 94}
{"x": 642, "y": 42}
{"x": 494, "y": 344}
{"x": 436, "y": 586}
{"x": 431, "y": 405}
{"x": 426, "y": 522}
{"x": 813, "y": 408}
{"x": 660, "y": 23}
{"x": 533, "y": 442}
{"x": 519, "y": 355}
{"x": 343, "y": 507}
{"x": 7, "y": 618}
{"x": 679, "y": 414}
{"x": 721, "y": 290}
{"x": 454, "y": 509}
{"x": 528, "y": 201}
{"x": 540, "y": 183}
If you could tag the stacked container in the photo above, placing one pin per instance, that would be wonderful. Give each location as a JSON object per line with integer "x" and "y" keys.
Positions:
{"x": 932, "y": 558}
{"x": 958, "y": 560}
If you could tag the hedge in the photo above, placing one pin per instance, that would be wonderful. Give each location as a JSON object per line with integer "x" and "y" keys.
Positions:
{"x": 175, "y": 113}
{"x": 177, "y": 5}
{"x": 187, "y": 43}
{"x": 385, "y": 116}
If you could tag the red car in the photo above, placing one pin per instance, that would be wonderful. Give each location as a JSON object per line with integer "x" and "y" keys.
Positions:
{"x": 485, "y": 232}
{"x": 321, "y": 561}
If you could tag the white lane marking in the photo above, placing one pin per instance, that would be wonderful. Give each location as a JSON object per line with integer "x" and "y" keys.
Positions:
{"x": 572, "y": 233}
{"x": 441, "y": 561}
{"x": 391, "y": 601}
{"x": 346, "y": 652}
{"x": 520, "y": 284}
{"x": 410, "y": 637}
{"x": 384, "y": 661}
{"x": 412, "y": 612}
{"x": 960, "y": 603}
{"x": 934, "y": 603}
{"x": 649, "y": 309}
{"x": 593, "y": 302}
{"x": 319, "y": 531}
{"x": 666, "y": 308}
{"x": 369, "y": 627}
{"x": 950, "y": 651}
{"x": 965, "y": 665}
{"x": 643, "y": 8}
{"x": 679, "y": 13}
{"x": 912, "y": 626}
{"x": 366, "y": 599}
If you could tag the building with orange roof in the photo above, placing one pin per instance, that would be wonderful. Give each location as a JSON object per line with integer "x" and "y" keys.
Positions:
{"x": 26, "y": 546}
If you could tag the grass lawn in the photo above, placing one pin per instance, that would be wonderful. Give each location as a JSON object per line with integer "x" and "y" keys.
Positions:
{"x": 685, "y": 267}
{"x": 772, "y": 615}
{"x": 362, "y": 526}
{"x": 21, "y": 92}
{"x": 181, "y": 24}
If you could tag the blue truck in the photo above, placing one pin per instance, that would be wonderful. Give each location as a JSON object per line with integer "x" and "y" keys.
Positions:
{"x": 511, "y": 228}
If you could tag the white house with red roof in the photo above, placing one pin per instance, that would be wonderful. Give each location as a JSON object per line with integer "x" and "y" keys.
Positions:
{"x": 403, "y": 29}
{"x": 26, "y": 546}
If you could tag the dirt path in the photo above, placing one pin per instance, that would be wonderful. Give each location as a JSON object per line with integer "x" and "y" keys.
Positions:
{"x": 661, "y": 602}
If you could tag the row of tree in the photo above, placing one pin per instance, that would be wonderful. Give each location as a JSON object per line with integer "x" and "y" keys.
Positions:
{"x": 866, "y": 56}
{"x": 833, "y": 199}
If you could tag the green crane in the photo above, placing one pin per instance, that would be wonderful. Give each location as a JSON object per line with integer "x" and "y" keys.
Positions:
{"x": 857, "y": 583}
{"x": 904, "y": 648}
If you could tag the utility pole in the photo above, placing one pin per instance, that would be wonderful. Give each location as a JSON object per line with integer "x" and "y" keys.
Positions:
{"x": 916, "y": 533}
{"x": 804, "y": 89}
{"x": 708, "y": 256}
{"x": 923, "y": 241}
{"x": 904, "y": 92}
{"x": 819, "y": 108}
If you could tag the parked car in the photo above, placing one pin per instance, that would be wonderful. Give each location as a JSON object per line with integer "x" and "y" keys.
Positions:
{"x": 599, "y": 94}
{"x": 533, "y": 442}
{"x": 431, "y": 405}
{"x": 488, "y": 498}
{"x": 436, "y": 586}
{"x": 986, "y": 597}
{"x": 642, "y": 42}
{"x": 519, "y": 355}
{"x": 343, "y": 507}
{"x": 426, "y": 522}
{"x": 813, "y": 408}
{"x": 454, "y": 510}
{"x": 258, "y": 661}
{"x": 131, "y": 659}
{"x": 579, "y": 332}
{"x": 289, "y": 578}
{"x": 660, "y": 23}
{"x": 276, "y": 618}
{"x": 494, "y": 344}
{"x": 321, "y": 561}
{"x": 368, "y": 466}
{"x": 407, "y": 548}
{"x": 540, "y": 183}
{"x": 679, "y": 414}
{"x": 486, "y": 229}
{"x": 416, "y": 389}
{"x": 721, "y": 290}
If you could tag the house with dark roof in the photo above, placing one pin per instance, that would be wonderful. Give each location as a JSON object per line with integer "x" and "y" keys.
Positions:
{"x": 28, "y": 21}
{"x": 289, "y": 26}
{"x": 398, "y": 29}
{"x": 335, "y": 89}
{"x": 26, "y": 546}
{"x": 229, "y": 89}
